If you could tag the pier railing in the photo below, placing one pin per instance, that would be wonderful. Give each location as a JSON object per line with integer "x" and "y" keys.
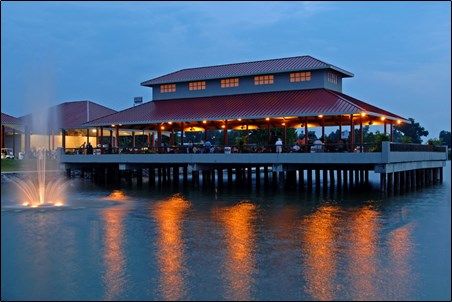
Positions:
{"x": 398, "y": 147}
{"x": 200, "y": 149}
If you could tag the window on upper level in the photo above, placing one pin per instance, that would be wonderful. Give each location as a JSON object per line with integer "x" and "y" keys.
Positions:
{"x": 167, "y": 88}
{"x": 201, "y": 85}
{"x": 225, "y": 83}
{"x": 300, "y": 76}
{"x": 332, "y": 78}
{"x": 263, "y": 80}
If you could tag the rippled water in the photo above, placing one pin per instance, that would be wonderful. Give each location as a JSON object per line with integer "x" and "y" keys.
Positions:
{"x": 231, "y": 244}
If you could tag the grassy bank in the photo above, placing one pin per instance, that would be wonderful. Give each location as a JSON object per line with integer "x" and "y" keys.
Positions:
{"x": 8, "y": 165}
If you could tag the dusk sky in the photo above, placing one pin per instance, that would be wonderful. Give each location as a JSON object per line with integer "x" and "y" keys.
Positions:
{"x": 400, "y": 53}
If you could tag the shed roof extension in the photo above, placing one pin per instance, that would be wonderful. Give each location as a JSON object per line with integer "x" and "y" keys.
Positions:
{"x": 245, "y": 69}
{"x": 69, "y": 115}
{"x": 10, "y": 120}
{"x": 246, "y": 106}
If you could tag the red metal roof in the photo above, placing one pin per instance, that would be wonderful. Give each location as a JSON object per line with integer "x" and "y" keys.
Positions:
{"x": 10, "y": 120}
{"x": 255, "y": 105}
{"x": 70, "y": 115}
{"x": 244, "y": 69}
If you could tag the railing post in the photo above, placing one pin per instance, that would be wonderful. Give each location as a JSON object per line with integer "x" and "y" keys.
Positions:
{"x": 385, "y": 150}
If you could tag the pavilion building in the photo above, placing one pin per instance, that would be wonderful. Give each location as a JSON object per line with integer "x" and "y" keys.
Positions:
{"x": 296, "y": 92}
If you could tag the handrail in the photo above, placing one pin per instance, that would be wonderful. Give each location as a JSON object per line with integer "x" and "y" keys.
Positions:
{"x": 400, "y": 147}
{"x": 246, "y": 148}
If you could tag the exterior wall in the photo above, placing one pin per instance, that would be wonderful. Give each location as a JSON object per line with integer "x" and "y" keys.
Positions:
{"x": 17, "y": 145}
{"x": 330, "y": 85}
{"x": 42, "y": 141}
{"x": 246, "y": 85}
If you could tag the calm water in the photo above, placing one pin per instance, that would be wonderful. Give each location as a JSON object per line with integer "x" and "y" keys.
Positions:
{"x": 233, "y": 245}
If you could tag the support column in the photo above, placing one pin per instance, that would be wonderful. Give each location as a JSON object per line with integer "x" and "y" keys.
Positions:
{"x": 390, "y": 186}
{"x": 413, "y": 180}
{"x": 339, "y": 178}
{"x": 182, "y": 125}
{"x": 306, "y": 132}
{"x": 309, "y": 177}
{"x": 258, "y": 176}
{"x": 317, "y": 179}
{"x": 3, "y": 136}
{"x": 391, "y": 132}
{"x": 384, "y": 126}
{"x": 101, "y": 135}
{"x": 285, "y": 135}
{"x": 441, "y": 175}
{"x": 111, "y": 139}
{"x": 345, "y": 179}
{"x": 27, "y": 141}
{"x": 408, "y": 180}
{"x": 139, "y": 172}
{"x": 361, "y": 135}
{"x": 266, "y": 174}
{"x": 397, "y": 182}
{"x": 133, "y": 139}
{"x": 185, "y": 173}
{"x": 301, "y": 179}
{"x": 63, "y": 139}
{"x": 225, "y": 133}
{"x": 159, "y": 139}
{"x": 352, "y": 137}
{"x": 331, "y": 179}
{"x": 220, "y": 176}
{"x": 14, "y": 143}
{"x": 87, "y": 136}
{"x": 117, "y": 137}
{"x": 383, "y": 182}
{"x": 325, "y": 179}
{"x": 151, "y": 176}
{"x": 350, "y": 177}
{"x": 229, "y": 176}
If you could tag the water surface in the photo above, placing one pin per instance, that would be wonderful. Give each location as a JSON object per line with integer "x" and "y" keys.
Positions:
{"x": 232, "y": 244}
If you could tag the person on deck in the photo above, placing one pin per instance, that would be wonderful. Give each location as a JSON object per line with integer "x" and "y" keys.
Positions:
{"x": 279, "y": 145}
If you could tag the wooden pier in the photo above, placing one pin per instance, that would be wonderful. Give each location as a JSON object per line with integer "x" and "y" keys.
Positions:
{"x": 401, "y": 168}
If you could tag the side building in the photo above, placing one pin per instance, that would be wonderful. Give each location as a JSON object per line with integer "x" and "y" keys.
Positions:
{"x": 45, "y": 129}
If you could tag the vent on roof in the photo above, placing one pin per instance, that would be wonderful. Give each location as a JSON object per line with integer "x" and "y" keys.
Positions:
{"x": 137, "y": 100}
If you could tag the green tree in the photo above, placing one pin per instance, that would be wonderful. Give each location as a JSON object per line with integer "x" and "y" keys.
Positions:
{"x": 412, "y": 130}
{"x": 445, "y": 137}
{"x": 434, "y": 142}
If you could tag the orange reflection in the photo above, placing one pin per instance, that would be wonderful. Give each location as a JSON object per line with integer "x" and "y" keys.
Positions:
{"x": 114, "y": 255}
{"x": 363, "y": 242}
{"x": 400, "y": 246}
{"x": 320, "y": 252}
{"x": 117, "y": 195}
{"x": 238, "y": 221}
{"x": 169, "y": 216}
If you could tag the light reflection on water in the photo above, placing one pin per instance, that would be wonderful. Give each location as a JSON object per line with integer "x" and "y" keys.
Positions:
{"x": 238, "y": 223}
{"x": 169, "y": 216}
{"x": 114, "y": 252}
{"x": 155, "y": 245}
{"x": 318, "y": 248}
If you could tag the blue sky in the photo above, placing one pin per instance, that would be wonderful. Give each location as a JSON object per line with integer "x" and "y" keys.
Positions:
{"x": 400, "y": 53}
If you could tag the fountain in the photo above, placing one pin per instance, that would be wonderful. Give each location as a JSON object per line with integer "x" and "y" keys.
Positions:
{"x": 40, "y": 191}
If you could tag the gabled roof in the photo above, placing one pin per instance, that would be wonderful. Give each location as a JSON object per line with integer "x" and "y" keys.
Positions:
{"x": 245, "y": 69}
{"x": 10, "y": 120}
{"x": 70, "y": 115}
{"x": 247, "y": 106}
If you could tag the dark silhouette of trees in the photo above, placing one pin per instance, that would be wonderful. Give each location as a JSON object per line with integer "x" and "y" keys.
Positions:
{"x": 412, "y": 132}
